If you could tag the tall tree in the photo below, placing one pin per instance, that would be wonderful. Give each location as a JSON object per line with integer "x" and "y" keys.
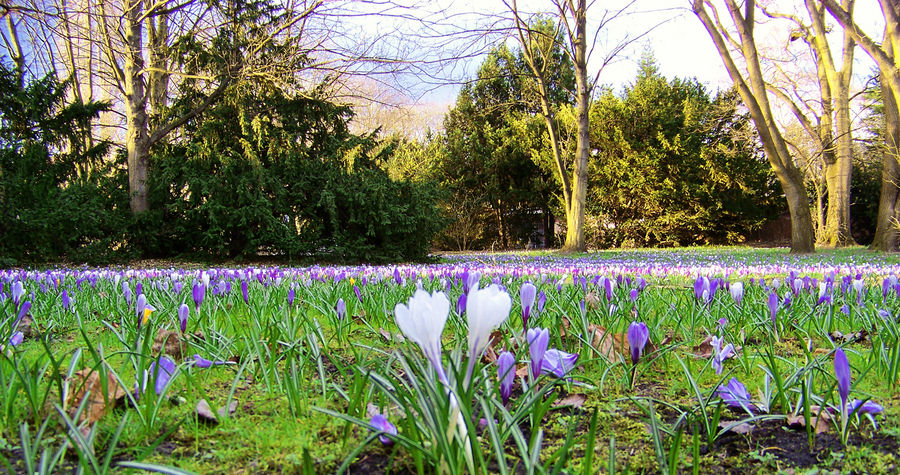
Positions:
{"x": 538, "y": 43}
{"x": 752, "y": 88}
{"x": 883, "y": 53}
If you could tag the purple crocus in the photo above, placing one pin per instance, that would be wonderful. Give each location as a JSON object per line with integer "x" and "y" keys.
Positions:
{"x": 633, "y": 295}
{"x": 16, "y": 339}
{"x": 66, "y": 302}
{"x": 384, "y": 426}
{"x": 842, "y": 372}
{"x": 541, "y": 301}
{"x": 198, "y": 292}
{"x": 23, "y": 310}
{"x": 341, "y": 309}
{"x": 461, "y": 304}
{"x": 358, "y": 293}
{"x": 735, "y": 395}
{"x": 527, "y": 294}
{"x": 637, "y": 334}
{"x": 538, "y": 339}
{"x": 183, "y": 313}
{"x": 18, "y": 290}
{"x": 201, "y": 362}
{"x": 245, "y": 292}
{"x": 773, "y": 306}
{"x": 506, "y": 374}
{"x": 558, "y": 362}
{"x": 720, "y": 354}
{"x": 161, "y": 374}
{"x": 291, "y": 295}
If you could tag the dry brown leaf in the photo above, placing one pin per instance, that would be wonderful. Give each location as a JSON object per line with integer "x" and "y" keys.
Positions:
{"x": 491, "y": 354}
{"x": 742, "y": 428}
{"x": 819, "y": 417}
{"x": 611, "y": 346}
{"x": 27, "y": 327}
{"x": 522, "y": 370}
{"x": 574, "y": 400}
{"x": 591, "y": 300}
{"x": 705, "y": 348}
{"x": 169, "y": 342}
{"x": 87, "y": 383}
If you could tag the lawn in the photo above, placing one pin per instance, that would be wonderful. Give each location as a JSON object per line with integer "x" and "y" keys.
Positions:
{"x": 699, "y": 360}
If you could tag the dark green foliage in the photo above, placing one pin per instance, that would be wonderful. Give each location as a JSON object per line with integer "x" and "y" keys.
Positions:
{"x": 674, "y": 166}
{"x": 498, "y": 190}
{"x": 266, "y": 172}
{"x": 58, "y": 200}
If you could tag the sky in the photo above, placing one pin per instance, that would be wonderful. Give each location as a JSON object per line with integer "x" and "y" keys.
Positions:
{"x": 680, "y": 44}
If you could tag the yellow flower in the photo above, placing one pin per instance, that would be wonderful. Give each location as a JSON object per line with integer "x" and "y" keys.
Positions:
{"x": 352, "y": 281}
{"x": 147, "y": 311}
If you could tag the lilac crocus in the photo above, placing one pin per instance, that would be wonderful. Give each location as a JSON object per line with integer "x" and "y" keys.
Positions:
{"x": 842, "y": 372}
{"x": 126, "y": 292}
{"x": 161, "y": 373}
{"x": 506, "y": 374}
{"x": 384, "y": 426}
{"x": 16, "y": 339}
{"x": 17, "y": 291}
{"x": 558, "y": 362}
{"x": 720, "y": 354}
{"x": 291, "y": 295}
{"x": 183, "y": 313}
{"x": 245, "y": 292}
{"x": 198, "y": 292}
{"x": 735, "y": 395}
{"x": 461, "y": 304}
{"x": 66, "y": 302}
{"x": 737, "y": 292}
{"x": 358, "y": 293}
{"x": 23, "y": 310}
{"x": 341, "y": 309}
{"x": 541, "y": 301}
{"x": 538, "y": 339}
{"x": 773, "y": 306}
{"x": 637, "y": 334}
{"x": 527, "y": 294}
{"x": 201, "y": 362}
{"x": 633, "y": 295}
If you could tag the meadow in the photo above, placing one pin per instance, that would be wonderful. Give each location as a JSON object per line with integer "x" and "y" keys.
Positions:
{"x": 706, "y": 360}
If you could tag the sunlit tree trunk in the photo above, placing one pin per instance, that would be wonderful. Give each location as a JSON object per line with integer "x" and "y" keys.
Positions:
{"x": 752, "y": 90}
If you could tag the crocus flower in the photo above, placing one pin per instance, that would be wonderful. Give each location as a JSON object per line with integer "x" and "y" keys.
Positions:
{"x": 538, "y": 339}
{"x": 737, "y": 292}
{"x": 558, "y": 362}
{"x": 773, "y": 306}
{"x": 140, "y": 305}
{"x": 506, "y": 374}
{"x": 541, "y": 301}
{"x": 381, "y": 424}
{"x": 735, "y": 395}
{"x": 245, "y": 292}
{"x": 202, "y": 362}
{"x": 66, "y": 302}
{"x": 720, "y": 354}
{"x": 633, "y": 295}
{"x": 17, "y": 291}
{"x": 183, "y": 312}
{"x": 16, "y": 339}
{"x": 461, "y": 304}
{"x": 161, "y": 374}
{"x": 637, "y": 334}
{"x": 341, "y": 309}
{"x": 23, "y": 310}
{"x": 358, "y": 293}
{"x": 867, "y": 407}
{"x": 486, "y": 309}
{"x": 198, "y": 293}
{"x": 422, "y": 320}
{"x": 842, "y": 372}
{"x": 291, "y": 295}
{"x": 527, "y": 294}
{"x": 126, "y": 292}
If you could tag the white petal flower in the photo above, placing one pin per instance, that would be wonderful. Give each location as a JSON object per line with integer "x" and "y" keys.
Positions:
{"x": 422, "y": 320}
{"x": 486, "y": 309}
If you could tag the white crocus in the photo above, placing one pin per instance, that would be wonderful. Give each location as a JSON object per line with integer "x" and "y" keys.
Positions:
{"x": 422, "y": 320}
{"x": 737, "y": 292}
{"x": 486, "y": 309}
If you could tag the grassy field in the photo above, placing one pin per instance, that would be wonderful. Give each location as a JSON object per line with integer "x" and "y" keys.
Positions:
{"x": 699, "y": 360}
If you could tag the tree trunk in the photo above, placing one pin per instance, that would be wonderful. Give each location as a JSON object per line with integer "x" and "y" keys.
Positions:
{"x": 575, "y": 241}
{"x": 137, "y": 142}
{"x": 753, "y": 92}
{"x": 886, "y": 237}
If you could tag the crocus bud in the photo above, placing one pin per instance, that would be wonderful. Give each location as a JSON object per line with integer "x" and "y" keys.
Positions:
{"x": 637, "y": 334}
{"x": 183, "y": 312}
{"x": 538, "y": 339}
{"x": 506, "y": 374}
{"x": 526, "y": 296}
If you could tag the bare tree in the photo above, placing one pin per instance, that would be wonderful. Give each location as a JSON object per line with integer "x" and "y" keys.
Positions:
{"x": 578, "y": 43}
{"x": 752, "y": 88}
{"x": 886, "y": 232}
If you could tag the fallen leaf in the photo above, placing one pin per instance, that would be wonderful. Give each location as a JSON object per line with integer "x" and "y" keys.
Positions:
{"x": 87, "y": 384}
{"x": 169, "y": 342}
{"x": 705, "y": 348}
{"x": 27, "y": 327}
{"x": 204, "y": 413}
{"x": 574, "y": 400}
{"x": 613, "y": 347}
{"x": 391, "y": 337}
{"x": 819, "y": 417}
{"x": 743, "y": 428}
{"x": 591, "y": 300}
{"x": 522, "y": 370}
